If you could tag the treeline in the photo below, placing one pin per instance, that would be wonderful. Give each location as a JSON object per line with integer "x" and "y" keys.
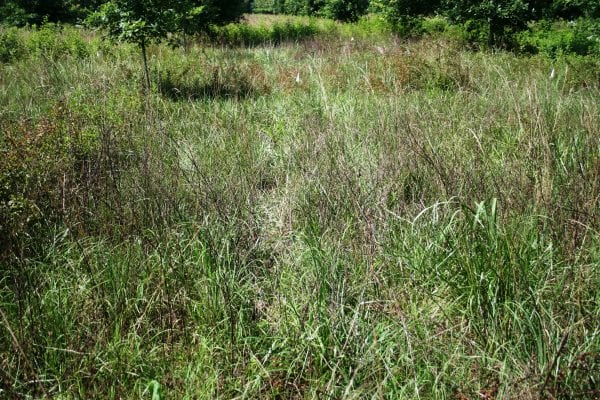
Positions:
{"x": 21, "y": 12}
{"x": 497, "y": 20}
{"x": 401, "y": 9}
{"x": 494, "y": 22}
{"x": 24, "y": 12}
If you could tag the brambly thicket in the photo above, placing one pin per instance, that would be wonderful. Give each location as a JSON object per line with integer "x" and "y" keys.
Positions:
{"x": 294, "y": 207}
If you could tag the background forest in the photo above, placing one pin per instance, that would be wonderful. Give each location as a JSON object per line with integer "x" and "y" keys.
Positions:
{"x": 491, "y": 20}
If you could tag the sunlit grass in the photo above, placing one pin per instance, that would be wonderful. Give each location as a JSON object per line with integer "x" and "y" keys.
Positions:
{"x": 407, "y": 220}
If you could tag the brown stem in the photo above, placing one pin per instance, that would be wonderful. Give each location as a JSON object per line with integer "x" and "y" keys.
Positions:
{"x": 146, "y": 72}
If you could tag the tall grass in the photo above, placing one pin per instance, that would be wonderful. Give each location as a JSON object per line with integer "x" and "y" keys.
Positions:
{"x": 367, "y": 218}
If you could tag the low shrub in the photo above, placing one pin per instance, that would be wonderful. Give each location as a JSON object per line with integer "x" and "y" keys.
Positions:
{"x": 475, "y": 33}
{"x": 581, "y": 37}
{"x": 53, "y": 170}
{"x": 12, "y": 46}
{"x": 367, "y": 27}
{"x": 434, "y": 25}
{"x": 345, "y": 10}
{"x": 265, "y": 6}
{"x": 55, "y": 41}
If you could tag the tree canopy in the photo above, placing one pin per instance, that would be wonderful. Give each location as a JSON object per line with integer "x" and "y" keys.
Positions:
{"x": 21, "y": 12}
{"x": 134, "y": 20}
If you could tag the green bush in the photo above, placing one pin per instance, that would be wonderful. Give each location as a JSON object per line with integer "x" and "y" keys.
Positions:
{"x": 405, "y": 15}
{"x": 54, "y": 41}
{"x": 266, "y": 6}
{"x": 23, "y": 12}
{"x": 581, "y": 37}
{"x": 494, "y": 22}
{"x": 11, "y": 46}
{"x": 12, "y": 14}
{"x": 297, "y": 7}
{"x": 76, "y": 45}
{"x": 434, "y": 25}
{"x": 345, "y": 10}
{"x": 477, "y": 33}
{"x": 366, "y": 27}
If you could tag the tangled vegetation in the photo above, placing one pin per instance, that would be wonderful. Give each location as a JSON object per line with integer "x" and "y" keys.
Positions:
{"x": 299, "y": 209}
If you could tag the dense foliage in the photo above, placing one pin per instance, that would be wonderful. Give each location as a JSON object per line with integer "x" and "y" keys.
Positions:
{"x": 405, "y": 15}
{"x": 137, "y": 21}
{"x": 496, "y": 20}
{"x": 487, "y": 22}
{"x": 144, "y": 21}
{"x": 571, "y": 9}
{"x": 345, "y": 10}
{"x": 397, "y": 10}
{"x": 491, "y": 23}
{"x": 21, "y": 12}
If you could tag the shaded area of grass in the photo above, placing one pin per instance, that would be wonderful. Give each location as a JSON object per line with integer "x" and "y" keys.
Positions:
{"x": 256, "y": 35}
{"x": 221, "y": 84}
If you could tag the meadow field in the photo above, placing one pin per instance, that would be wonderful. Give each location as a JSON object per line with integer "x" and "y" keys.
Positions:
{"x": 300, "y": 210}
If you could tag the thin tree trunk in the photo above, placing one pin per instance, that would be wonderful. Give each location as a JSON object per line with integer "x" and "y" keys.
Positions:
{"x": 185, "y": 42}
{"x": 146, "y": 72}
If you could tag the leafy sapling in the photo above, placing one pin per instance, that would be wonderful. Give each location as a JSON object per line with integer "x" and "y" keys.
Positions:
{"x": 138, "y": 21}
{"x": 146, "y": 21}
